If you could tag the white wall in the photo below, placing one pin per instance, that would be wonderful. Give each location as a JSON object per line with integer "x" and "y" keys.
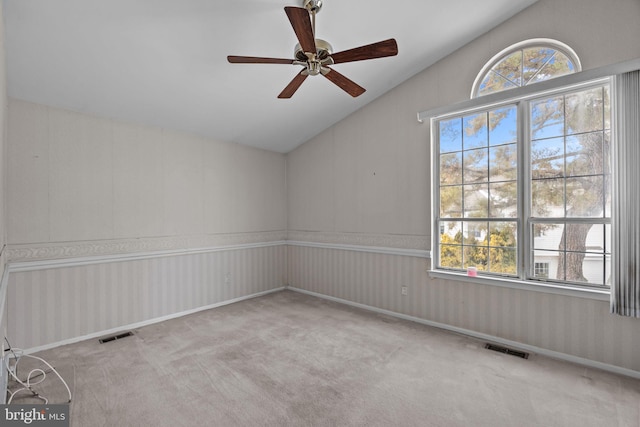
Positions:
{"x": 74, "y": 177}
{"x": 366, "y": 181}
{"x": 109, "y": 197}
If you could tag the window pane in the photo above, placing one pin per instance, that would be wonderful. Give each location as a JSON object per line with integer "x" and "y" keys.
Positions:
{"x": 585, "y": 197}
{"x": 577, "y": 237}
{"x": 451, "y": 201}
{"x": 502, "y": 247}
{"x": 525, "y": 66}
{"x": 555, "y": 262}
{"x": 451, "y": 232}
{"x": 476, "y": 165}
{"x": 475, "y": 233}
{"x": 534, "y": 59}
{"x": 502, "y": 260}
{"x": 511, "y": 68}
{"x": 503, "y": 126}
{"x": 574, "y": 237}
{"x": 503, "y": 234}
{"x": 475, "y": 131}
{"x": 494, "y": 82}
{"x": 547, "y": 158}
{"x": 450, "y": 135}
{"x": 547, "y": 118}
{"x": 548, "y": 236}
{"x": 541, "y": 270}
{"x": 589, "y": 268}
{"x": 451, "y": 168}
{"x": 476, "y": 201}
{"x": 583, "y": 260}
{"x": 503, "y": 200}
{"x": 559, "y": 65}
{"x": 585, "y": 154}
{"x": 584, "y": 111}
{"x": 450, "y": 256}
{"x": 450, "y": 244}
{"x": 503, "y": 161}
{"x": 595, "y": 240}
{"x": 547, "y": 197}
{"x": 476, "y": 256}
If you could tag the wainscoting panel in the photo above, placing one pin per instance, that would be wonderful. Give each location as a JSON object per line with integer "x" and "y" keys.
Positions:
{"x": 57, "y": 304}
{"x": 574, "y": 326}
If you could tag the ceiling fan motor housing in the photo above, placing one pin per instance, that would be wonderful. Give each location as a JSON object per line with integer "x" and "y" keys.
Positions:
{"x": 323, "y": 51}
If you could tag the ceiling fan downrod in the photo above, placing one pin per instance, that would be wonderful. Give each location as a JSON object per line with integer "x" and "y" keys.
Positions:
{"x": 313, "y": 6}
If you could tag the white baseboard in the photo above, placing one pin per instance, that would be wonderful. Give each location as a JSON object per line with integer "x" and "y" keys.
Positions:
{"x": 147, "y": 322}
{"x": 530, "y": 348}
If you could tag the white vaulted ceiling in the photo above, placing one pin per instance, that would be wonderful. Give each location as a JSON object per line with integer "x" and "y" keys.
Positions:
{"x": 163, "y": 62}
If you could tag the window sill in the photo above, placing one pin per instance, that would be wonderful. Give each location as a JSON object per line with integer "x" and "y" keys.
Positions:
{"x": 572, "y": 291}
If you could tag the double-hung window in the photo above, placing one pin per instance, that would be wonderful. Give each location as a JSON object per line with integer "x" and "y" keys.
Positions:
{"x": 522, "y": 187}
{"x": 526, "y": 184}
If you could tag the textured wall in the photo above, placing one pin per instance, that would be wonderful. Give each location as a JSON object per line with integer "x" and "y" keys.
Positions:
{"x": 576, "y": 326}
{"x": 84, "y": 187}
{"x": 56, "y": 304}
{"x": 75, "y": 177}
{"x": 370, "y": 173}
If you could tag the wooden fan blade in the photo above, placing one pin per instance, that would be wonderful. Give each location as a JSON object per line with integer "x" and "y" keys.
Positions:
{"x": 370, "y": 51}
{"x": 293, "y": 86}
{"x": 257, "y": 60}
{"x": 301, "y": 23}
{"x": 344, "y": 83}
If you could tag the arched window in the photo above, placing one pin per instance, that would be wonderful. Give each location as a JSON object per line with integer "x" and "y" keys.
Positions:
{"x": 525, "y": 63}
{"x": 522, "y": 180}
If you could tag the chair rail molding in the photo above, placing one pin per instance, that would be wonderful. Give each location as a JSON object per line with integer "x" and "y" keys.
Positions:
{"x": 397, "y": 241}
{"x": 101, "y": 248}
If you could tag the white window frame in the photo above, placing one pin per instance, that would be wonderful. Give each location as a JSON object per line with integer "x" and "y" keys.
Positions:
{"x": 569, "y": 82}
{"x": 524, "y": 219}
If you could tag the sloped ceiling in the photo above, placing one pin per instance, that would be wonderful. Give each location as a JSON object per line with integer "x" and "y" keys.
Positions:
{"x": 163, "y": 62}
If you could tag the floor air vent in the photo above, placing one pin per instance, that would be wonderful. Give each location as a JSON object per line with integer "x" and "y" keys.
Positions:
{"x": 115, "y": 337}
{"x": 506, "y": 350}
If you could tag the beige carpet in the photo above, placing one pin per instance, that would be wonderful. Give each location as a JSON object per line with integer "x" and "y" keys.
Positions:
{"x": 288, "y": 359}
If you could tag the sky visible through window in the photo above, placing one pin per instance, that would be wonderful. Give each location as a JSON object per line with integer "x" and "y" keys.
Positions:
{"x": 525, "y": 66}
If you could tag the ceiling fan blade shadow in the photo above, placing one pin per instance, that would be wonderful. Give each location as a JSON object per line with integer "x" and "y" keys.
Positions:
{"x": 344, "y": 83}
{"x": 370, "y": 51}
{"x": 301, "y": 23}
{"x": 293, "y": 86}
{"x": 257, "y": 60}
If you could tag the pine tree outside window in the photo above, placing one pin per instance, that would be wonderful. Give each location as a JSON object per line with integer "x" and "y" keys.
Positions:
{"x": 526, "y": 183}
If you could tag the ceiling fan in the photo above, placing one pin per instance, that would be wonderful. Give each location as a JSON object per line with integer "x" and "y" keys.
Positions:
{"x": 316, "y": 55}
